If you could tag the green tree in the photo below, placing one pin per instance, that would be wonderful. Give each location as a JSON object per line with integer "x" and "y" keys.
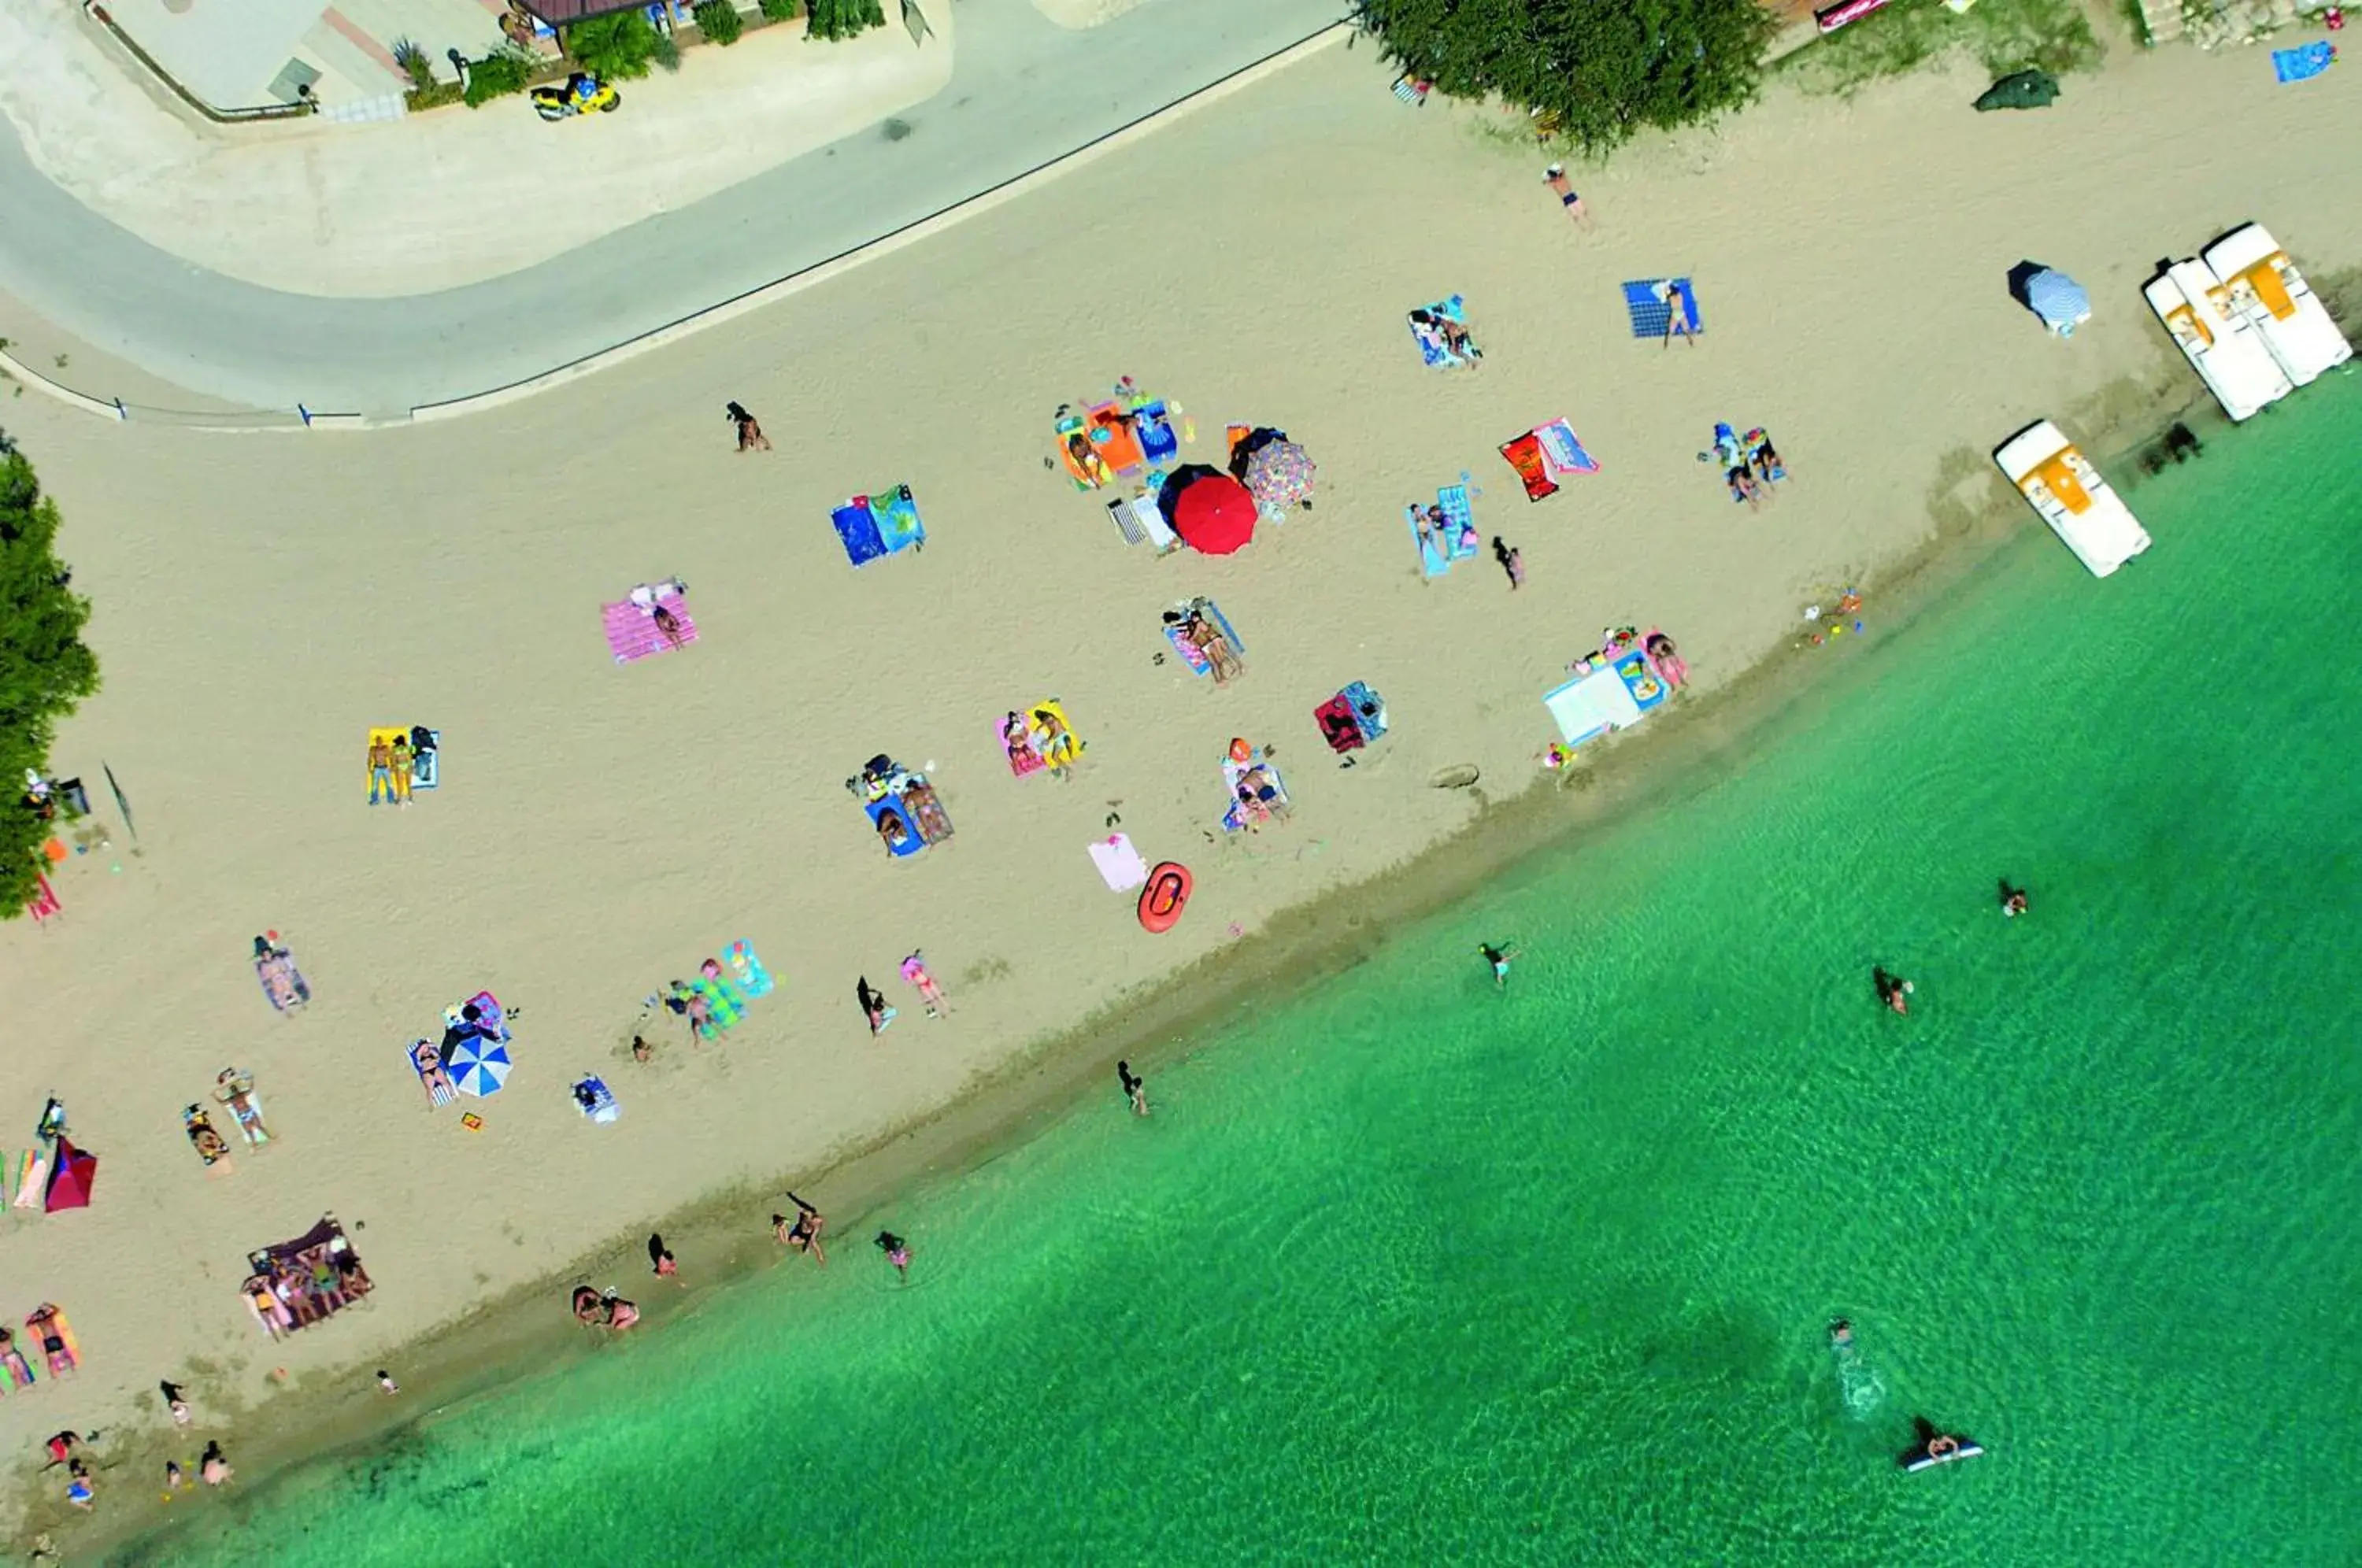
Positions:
{"x": 718, "y": 21}
{"x": 617, "y": 46}
{"x": 498, "y": 74}
{"x": 783, "y": 10}
{"x": 45, "y": 669}
{"x": 1599, "y": 70}
{"x": 844, "y": 19}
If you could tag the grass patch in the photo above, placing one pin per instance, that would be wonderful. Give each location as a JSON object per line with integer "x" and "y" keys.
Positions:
{"x": 2001, "y": 35}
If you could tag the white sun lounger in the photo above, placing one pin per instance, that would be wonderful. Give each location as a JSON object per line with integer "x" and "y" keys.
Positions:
{"x": 1141, "y": 523}
{"x": 2266, "y": 288}
{"x": 2088, "y": 517}
{"x": 2222, "y": 345}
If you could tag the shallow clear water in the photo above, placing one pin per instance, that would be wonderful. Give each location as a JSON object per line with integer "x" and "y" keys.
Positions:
{"x": 1412, "y": 1270}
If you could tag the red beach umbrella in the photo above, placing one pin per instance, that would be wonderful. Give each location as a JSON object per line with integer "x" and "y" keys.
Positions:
{"x": 1213, "y": 512}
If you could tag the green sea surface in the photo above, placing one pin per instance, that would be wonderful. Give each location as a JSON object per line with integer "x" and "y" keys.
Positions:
{"x": 1412, "y": 1270}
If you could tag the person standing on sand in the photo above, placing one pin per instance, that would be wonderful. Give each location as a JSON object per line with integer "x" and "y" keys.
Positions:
{"x": 385, "y": 1382}
{"x": 1677, "y": 319}
{"x": 1511, "y": 562}
{"x": 1134, "y": 1090}
{"x": 660, "y": 1260}
{"x": 381, "y": 771}
{"x": 175, "y": 1402}
{"x": 898, "y": 1252}
{"x": 213, "y": 1468}
{"x": 873, "y": 1006}
{"x": 750, "y": 429}
{"x": 1555, "y": 178}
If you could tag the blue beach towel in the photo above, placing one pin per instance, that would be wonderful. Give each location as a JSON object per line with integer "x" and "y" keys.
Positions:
{"x": 898, "y": 519}
{"x": 1645, "y": 298}
{"x": 2304, "y": 62}
{"x": 858, "y": 531}
{"x": 1434, "y": 559}
{"x": 887, "y": 805}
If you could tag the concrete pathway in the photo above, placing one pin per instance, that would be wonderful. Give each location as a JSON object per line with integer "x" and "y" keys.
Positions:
{"x": 1024, "y": 91}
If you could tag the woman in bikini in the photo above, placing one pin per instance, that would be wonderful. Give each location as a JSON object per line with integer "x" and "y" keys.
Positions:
{"x": 803, "y": 1231}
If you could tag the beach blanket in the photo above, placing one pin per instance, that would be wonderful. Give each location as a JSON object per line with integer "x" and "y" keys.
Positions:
{"x": 873, "y": 526}
{"x": 56, "y": 1337}
{"x": 491, "y": 1021}
{"x": 36, "y": 1178}
{"x": 1191, "y": 654}
{"x": 1431, "y": 346}
{"x": 426, "y": 761}
{"x": 1369, "y": 709}
{"x": 282, "y": 981}
{"x": 1452, "y": 539}
{"x": 16, "y": 1371}
{"x": 1159, "y": 443}
{"x": 1338, "y": 726}
{"x": 753, "y": 978}
{"x": 723, "y": 1006}
{"x": 888, "y": 805}
{"x": 1644, "y": 299}
{"x": 1525, "y": 455}
{"x": 1119, "y": 865}
{"x": 2303, "y": 63}
{"x": 1562, "y": 448}
{"x": 1267, "y": 791}
{"x": 1413, "y": 93}
{"x": 632, "y": 631}
{"x": 1016, "y": 738}
{"x": 594, "y": 1099}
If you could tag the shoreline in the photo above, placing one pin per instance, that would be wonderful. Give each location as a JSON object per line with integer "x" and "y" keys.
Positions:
{"x": 523, "y": 1334}
{"x": 604, "y": 850}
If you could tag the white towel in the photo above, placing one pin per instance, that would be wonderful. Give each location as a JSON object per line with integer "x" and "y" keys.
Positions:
{"x": 1120, "y": 867}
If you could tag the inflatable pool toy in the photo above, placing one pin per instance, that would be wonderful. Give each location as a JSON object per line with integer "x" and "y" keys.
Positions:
{"x": 1167, "y": 893}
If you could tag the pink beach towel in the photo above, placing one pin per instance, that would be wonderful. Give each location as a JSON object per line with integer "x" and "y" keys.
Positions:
{"x": 632, "y": 631}
{"x": 44, "y": 902}
{"x": 1018, "y": 742}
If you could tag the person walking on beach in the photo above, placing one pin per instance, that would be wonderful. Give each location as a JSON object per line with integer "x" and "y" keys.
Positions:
{"x": 1511, "y": 562}
{"x": 213, "y": 1468}
{"x": 660, "y": 1260}
{"x": 1555, "y": 178}
{"x": 1499, "y": 958}
{"x": 898, "y": 1252}
{"x": 750, "y": 429}
{"x": 2013, "y": 900}
{"x": 803, "y": 1232}
{"x": 1134, "y": 1090}
{"x": 176, "y": 1402}
{"x": 385, "y": 1382}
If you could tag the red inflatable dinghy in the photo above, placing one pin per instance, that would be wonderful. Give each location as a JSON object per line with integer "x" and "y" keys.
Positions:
{"x": 1161, "y": 902}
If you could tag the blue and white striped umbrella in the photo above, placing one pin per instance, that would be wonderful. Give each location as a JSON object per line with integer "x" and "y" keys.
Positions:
{"x": 2059, "y": 300}
{"x": 478, "y": 1066}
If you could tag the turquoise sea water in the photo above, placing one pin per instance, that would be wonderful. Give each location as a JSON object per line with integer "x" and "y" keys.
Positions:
{"x": 1411, "y": 1271}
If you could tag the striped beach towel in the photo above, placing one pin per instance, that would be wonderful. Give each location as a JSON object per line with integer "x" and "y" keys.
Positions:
{"x": 632, "y": 631}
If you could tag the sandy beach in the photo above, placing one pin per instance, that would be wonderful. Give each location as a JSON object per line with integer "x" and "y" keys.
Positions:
{"x": 262, "y": 600}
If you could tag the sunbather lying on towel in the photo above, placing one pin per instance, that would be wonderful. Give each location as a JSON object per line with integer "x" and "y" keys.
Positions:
{"x": 892, "y": 833}
{"x": 934, "y": 823}
{"x": 1208, "y": 639}
{"x": 1446, "y": 334}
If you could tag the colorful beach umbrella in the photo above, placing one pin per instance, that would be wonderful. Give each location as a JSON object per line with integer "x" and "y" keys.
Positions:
{"x": 478, "y": 1066}
{"x": 1280, "y": 474}
{"x": 1213, "y": 512}
{"x": 69, "y": 1178}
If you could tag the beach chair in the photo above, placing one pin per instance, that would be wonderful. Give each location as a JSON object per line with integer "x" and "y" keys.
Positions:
{"x": 1141, "y": 522}
{"x": 1413, "y": 93}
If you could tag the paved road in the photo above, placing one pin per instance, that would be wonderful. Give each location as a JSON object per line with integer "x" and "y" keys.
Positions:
{"x": 1022, "y": 92}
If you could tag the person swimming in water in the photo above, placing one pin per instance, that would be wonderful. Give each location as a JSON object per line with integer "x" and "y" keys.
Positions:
{"x": 1892, "y": 989}
{"x": 2013, "y": 900}
{"x": 1499, "y": 958}
{"x": 897, "y": 1250}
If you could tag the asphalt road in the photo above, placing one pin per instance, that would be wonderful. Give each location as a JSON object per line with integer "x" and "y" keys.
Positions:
{"x": 1022, "y": 92}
